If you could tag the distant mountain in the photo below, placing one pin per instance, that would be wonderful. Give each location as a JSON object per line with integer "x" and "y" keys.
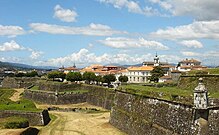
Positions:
{"x": 23, "y": 66}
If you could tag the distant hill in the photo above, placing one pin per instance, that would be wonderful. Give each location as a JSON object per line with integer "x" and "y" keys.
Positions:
{"x": 23, "y": 66}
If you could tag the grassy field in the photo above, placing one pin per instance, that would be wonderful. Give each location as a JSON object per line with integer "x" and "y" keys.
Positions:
{"x": 13, "y": 122}
{"x": 21, "y": 105}
{"x": 166, "y": 93}
{"x": 206, "y": 71}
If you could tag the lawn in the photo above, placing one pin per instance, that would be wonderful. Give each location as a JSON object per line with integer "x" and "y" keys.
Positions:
{"x": 166, "y": 93}
{"x": 21, "y": 105}
{"x": 206, "y": 71}
{"x": 13, "y": 122}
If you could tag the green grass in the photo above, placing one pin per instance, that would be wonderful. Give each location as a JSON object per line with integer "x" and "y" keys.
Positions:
{"x": 52, "y": 117}
{"x": 35, "y": 87}
{"x": 205, "y": 71}
{"x": 74, "y": 91}
{"x": 13, "y": 122}
{"x": 21, "y": 105}
{"x": 213, "y": 70}
{"x": 166, "y": 93}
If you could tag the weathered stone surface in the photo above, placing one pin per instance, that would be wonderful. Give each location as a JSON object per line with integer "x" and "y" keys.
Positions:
{"x": 19, "y": 82}
{"x": 138, "y": 115}
{"x": 34, "y": 118}
{"x": 52, "y": 98}
{"x": 58, "y": 87}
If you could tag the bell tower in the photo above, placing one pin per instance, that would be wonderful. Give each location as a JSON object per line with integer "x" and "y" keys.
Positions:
{"x": 156, "y": 60}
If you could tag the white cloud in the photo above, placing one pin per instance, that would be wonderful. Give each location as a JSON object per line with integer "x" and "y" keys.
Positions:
{"x": 65, "y": 15}
{"x": 84, "y": 58}
{"x": 10, "y": 46}
{"x": 132, "y": 7}
{"x": 191, "y": 43}
{"x": 91, "y": 30}
{"x": 35, "y": 54}
{"x": 185, "y": 53}
{"x": 199, "y": 9}
{"x": 13, "y": 46}
{"x": 121, "y": 42}
{"x": 11, "y": 31}
{"x": 196, "y": 30}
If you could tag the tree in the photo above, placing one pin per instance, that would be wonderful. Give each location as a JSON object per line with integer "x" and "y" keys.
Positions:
{"x": 74, "y": 76}
{"x": 53, "y": 75}
{"x": 109, "y": 78}
{"x": 31, "y": 74}
{"x": 61, "y": 75}
{"x": 89, "y": 76}
{"x": 99, "y": 79}
{"x": 156, "y": 73}
{"x": 123, "y": 78}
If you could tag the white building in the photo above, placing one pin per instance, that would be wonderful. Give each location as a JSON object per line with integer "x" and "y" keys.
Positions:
{"x": 139, "y": 74}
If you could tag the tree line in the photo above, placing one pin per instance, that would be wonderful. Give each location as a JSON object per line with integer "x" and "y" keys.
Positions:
{"x": 88, "y": 77}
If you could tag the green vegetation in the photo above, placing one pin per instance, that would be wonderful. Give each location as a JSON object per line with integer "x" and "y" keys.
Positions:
{"x": 109, "y": 78}
{"x": 35, "y": 87}
{"x": 166, "y": 93}
{"x": 29, "y": 74}
{"x": 56, "y": 74}
{"x": 13, "y": 122}
{"x": 74, "y": 91}
{"x": 156, "y": 73}
{"x": 204, "y": 72}
{"x": 21, "y": 105}
{"x": 213, "y": 70}
{"x": 123, "y": 78}
{"x": 74, "y": 76}
{"x": 89, "y": 76}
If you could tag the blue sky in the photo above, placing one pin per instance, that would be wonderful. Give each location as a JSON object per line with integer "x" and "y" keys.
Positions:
{"x": 57, "y": 32}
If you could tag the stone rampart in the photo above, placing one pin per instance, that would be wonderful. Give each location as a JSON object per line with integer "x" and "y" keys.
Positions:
{"x": 19, "y": 82}
{"x": 139, "y": 115}
{"x": 34, "y": 118}
{"x": 50, "y": 97}
{"x": 57, "y": 87}
{"x": 100, "y": 96}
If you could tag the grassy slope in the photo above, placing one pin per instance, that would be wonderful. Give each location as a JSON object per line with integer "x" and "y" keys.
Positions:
{"x": 7, "y": 104}
{"x": 166, "y": 93}
{"x": 12, "y": 122}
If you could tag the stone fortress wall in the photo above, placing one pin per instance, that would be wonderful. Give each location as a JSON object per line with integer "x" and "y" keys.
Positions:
{"x": 140, "y": 115}
{"x": 34, "y": 118}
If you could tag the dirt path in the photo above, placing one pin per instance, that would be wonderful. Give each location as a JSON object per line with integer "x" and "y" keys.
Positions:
{"x": 72, "y": 123}
{"x": 16, "y": 96}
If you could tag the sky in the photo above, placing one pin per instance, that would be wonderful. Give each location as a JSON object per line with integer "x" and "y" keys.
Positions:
{"x": 61, "y": 33}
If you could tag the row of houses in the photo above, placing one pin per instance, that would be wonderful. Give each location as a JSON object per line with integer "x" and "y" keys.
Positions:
{"x": 140, "y": 74}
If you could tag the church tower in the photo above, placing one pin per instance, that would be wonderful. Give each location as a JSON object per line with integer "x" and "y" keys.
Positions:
{"x": 200, "y": 96}
{"x": 156, "y": 60}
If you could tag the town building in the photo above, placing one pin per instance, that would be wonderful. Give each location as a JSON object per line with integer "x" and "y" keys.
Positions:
{"x": 69, "y": 69}
{"x": 102, "y": 70}
{"x": 190, "y": 64}
{"x": 139, "y": 74}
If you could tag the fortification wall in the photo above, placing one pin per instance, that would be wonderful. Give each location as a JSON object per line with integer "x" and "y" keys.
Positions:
{"x": 19, "y": 82}
{"x": 100, "y": 96}
{"x": 57, "y": 87}
{"x": 138, "y": 115}
{"x": 34, "y": 118}
{"x": 52, "y": 98}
